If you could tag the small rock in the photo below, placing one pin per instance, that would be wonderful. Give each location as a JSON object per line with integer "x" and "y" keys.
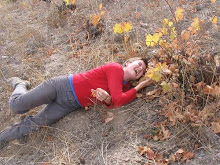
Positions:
{"x": 4, "y": 57}
{"x": 137, "y": 159}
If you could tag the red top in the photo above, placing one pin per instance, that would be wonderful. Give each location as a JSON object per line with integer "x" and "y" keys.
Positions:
{"x": 108, "y": 77}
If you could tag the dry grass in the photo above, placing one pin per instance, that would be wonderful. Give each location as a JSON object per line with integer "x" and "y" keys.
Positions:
{"x": 39, "y": 43}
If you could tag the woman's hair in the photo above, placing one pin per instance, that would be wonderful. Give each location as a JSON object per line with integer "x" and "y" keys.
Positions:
{"x": 136, "y": 58}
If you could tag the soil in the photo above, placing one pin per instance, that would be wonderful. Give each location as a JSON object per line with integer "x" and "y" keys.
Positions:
{"x": 37, "y": 42}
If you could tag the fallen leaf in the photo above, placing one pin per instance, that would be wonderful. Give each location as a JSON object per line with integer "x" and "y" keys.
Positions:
{"x": 153, "y": 94}
{"x": 179, "y": 151}
{"x": 102, "y": 13}
{"x": 187, "y": 156}
{"x": 118, "y": 28}
{"x": 147, "y": 137}
{"x": 195, "y": 25}
{"x": 126, "y": 26}
{"x": 213, "y": 90}
{"x": 185, "y": 35}
{"x": 216, "y": 127}
{"x": 49, "y": 138}
{"x": 95, "y": 19}
{"x": 46, "y": 163}
{"x": 172, "y": 157}
{"x": 179, "y": 14}
{"x": 139, "y": 95}
{"x": 140, "y": 148}
{"x": 166, "y": 87}
{"x": 100, "y": 6}
{"x": 214, "y": 21}
{"x": 109, "y": 117}
{"x": 166, "y": 133}
{"x": 126, "y": 38}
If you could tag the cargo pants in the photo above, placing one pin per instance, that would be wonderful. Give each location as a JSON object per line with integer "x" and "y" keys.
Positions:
{"x": 58, "y": 96}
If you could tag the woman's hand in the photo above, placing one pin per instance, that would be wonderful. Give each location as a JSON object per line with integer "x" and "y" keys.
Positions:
{"x": 143, "y": 84}
{"x": 102, "y": 95}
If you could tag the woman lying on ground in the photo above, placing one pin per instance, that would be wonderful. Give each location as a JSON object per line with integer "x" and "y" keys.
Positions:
{"x": 110, "y": 83}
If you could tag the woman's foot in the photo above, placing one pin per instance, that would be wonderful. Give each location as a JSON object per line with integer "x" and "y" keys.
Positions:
{"x": 14, "y": 81}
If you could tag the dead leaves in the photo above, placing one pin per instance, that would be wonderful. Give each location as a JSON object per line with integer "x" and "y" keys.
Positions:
{"x": 150, "y": 154}
{"x": 191, "y": 114}
{"x": 181, "y": 155}
{"x": 212, "y": 90}
{"x": 216, "y": 126}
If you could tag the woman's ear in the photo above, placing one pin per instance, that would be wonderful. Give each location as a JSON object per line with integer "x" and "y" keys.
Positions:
{"x": 126, "y": 64}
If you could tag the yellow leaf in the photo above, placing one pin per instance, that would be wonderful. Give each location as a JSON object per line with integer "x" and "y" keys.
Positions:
{"x": 170, "y": 23}
{"x": 213, "y": 1}
{"x": 126, "y": 26}
{"x": 163, "y": 43}
{"x": 158, "y": 67}
{"x": 117, "y": 28}
{"x": 102, "y": 13}
{"x": 166, "y": 86}
{"x": 67, "y": 2}
{"x": 154, "y": 74}
{"x": 214, "y": 21}
{"x": 152, "y": 40}
{"x": 95, "y": 19}
{"x": 167, "y": 22}
{"x": 157, "y": 76}
{"x": 173, "y": 34}
{"x": 165, "y": 30}
{"x": 149, "y": 40}
{"x": 179, "y": 14}
{"x": 100, "y": 6}
{"x": 195, "y": 25}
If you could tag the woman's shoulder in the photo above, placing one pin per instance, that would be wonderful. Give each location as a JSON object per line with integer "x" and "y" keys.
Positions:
{"x": 113, "y": 65}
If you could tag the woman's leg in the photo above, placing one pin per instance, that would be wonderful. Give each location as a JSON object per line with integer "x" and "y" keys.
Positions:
{"x": 22, "y": 100}
{"x": 49, "y": 115}
{"x": 61, "y": 103}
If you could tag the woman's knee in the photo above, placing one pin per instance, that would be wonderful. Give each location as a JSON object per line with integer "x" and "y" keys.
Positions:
{"x": 17, "y": 106}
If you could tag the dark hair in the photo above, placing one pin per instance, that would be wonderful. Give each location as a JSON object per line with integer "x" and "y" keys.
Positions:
{"x": 137, "y": 58}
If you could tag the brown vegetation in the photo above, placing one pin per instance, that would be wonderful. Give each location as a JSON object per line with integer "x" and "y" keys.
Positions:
{"x": 174, "y": 120}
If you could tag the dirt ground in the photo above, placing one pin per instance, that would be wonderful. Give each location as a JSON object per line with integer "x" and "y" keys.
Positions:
{"x": 37, "y": 42}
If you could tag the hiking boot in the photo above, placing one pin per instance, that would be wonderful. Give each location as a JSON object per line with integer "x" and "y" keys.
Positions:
{"x": 3, "y": 145}
{"x": 14, "y": 81}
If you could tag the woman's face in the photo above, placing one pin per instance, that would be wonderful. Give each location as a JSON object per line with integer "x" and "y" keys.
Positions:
{"x": 134, "y": 70}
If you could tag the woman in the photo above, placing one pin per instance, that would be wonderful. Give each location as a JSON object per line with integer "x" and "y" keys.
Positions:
{"x": 110, "y": 84}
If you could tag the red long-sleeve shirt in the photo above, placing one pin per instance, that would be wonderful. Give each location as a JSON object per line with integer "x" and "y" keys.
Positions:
{"x": 108, "y": 77}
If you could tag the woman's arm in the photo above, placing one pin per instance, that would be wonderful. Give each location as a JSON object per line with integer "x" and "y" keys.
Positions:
{"x": 143, "y": 84}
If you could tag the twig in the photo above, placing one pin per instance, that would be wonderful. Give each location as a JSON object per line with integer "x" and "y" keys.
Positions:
{"x": 3, "y": 75}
